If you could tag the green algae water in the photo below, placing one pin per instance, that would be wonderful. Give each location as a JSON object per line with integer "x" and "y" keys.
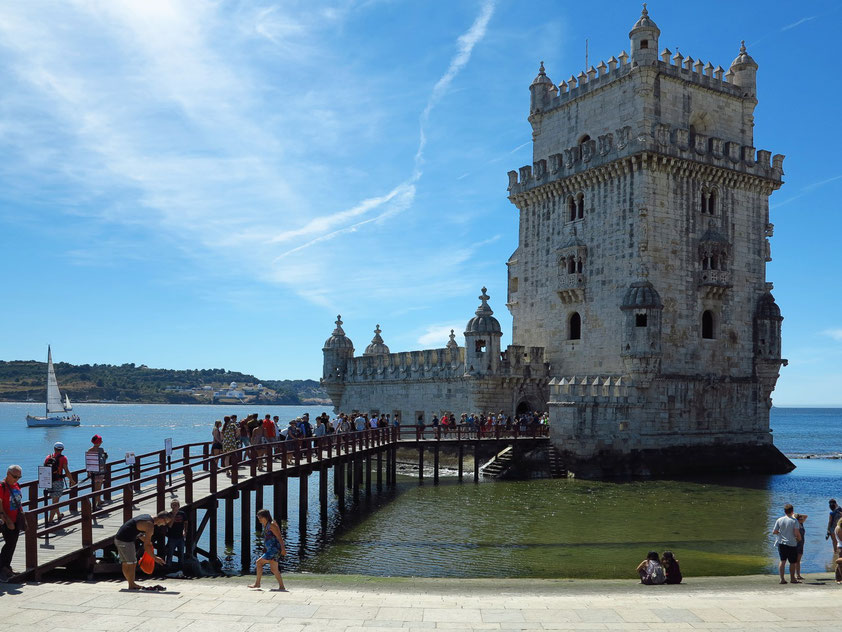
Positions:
{"x": 584, "y": 529}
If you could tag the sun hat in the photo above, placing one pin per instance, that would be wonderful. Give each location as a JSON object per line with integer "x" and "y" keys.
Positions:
{"x": 58, "y": 445}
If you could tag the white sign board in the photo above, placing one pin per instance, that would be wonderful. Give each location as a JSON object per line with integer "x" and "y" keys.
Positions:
{"x": 45, "y": 477}
{"x": 92, "y": 462}
{"x": 168, "y": 446}
{"x": 130, "y": 460}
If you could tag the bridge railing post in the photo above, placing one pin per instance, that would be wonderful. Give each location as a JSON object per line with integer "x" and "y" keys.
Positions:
{"x": 270, "y": 458}
{"x": 188, "y": 485}
{"x": 137, "y": 474}
{"x": 87, "y": 526}
{"x": 254, "y": 455}
{"x": 128, "y": 501}
{"x": 106, "y": 482}
{"x": 297, "y": 452}
{"x": 160, "y": 492}
{"x": 31, "y": 540}
{"x": 214, "y": 470}
{"x": 185, "y": 454}
{"x": 284, "y": 455}
{"x": 205, "y": 455}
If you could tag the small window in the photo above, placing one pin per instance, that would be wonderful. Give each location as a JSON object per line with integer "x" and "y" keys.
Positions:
{"x": 571, "y": 265}
{"x": 708, "y": 202}
{"x": 480, "y": 346}
{"x": 580, "y": 206}
{"x": 644, "y": 43}
{"x": 707, "y": 325}
{"x": 640, "y": 320}
{"x": 575, "y": 327}
{"x": 571, "y": 208}
{"x": 579, "y": 265}
{"x": 513, "y": 285}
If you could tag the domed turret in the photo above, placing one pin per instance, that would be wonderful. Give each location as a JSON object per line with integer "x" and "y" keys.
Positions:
{"x": 641, "y": 350}
{"x": 377, "y": 346}
{"x": 337, "y": 351}
{"x": 744, "y": 71}
{"x": 644, "y": 40}
{"x": 452, "y": 344}
{"x": 338, "y": 339}
{"x": 767, "y": 308}
{"x": 484, "y": 321}
{"x": 641, "y": 295}
{"x": 541, "y": 91}
{"x": 482, "y": 340}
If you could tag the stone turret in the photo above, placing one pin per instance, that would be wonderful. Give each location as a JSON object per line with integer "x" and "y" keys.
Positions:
{"x": 644, "y": 40}
{"x": 641, "y": 352}
{"x": 744, "y": 71}
{"x": 482, "y": 340}
{"x": 338, "y": 349}
{"x": 451, "y": 343}
{"x": 541, "y": 91}
{"x": 377, "y": 346}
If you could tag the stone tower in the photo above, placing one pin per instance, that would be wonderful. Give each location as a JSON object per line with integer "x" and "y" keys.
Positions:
{"x": 641, "y": 259}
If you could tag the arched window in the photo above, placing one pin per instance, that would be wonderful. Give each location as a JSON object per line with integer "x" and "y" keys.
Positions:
{"x": 707, "y": 325}
{"x": 575, "y": 327}
{"x": 584, "y": 139}
{"x": 709, "y": 201}
{"x": 571, "y": 265}
{"x": 579, "y": 265}
{"x": 580, "y": 206}
{"x": 571, "y": 208}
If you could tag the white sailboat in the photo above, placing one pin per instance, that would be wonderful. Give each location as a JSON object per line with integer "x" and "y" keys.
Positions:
{"x": 55, "y": 406}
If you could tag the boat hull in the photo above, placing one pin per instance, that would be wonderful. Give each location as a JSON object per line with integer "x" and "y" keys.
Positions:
{"x": 47, "y": 422}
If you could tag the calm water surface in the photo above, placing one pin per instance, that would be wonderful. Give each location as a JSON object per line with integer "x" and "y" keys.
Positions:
{"x": 542, "y": 528}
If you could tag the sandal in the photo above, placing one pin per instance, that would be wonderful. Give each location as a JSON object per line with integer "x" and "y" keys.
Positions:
{"x": 158, "y": 587}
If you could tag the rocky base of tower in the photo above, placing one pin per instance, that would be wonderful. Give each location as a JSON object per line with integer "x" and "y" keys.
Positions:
{"x": 695, "y": 460}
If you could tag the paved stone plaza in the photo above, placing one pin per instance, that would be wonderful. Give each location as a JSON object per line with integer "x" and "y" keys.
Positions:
{"x": 337, "y": 603}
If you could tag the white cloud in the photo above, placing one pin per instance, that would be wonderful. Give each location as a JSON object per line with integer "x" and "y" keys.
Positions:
{"x": 436, "y": 336}
{"x": 836, "y": 334}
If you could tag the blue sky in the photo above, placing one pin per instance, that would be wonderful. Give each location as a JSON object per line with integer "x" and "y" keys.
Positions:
{"x": 194, "y": 184}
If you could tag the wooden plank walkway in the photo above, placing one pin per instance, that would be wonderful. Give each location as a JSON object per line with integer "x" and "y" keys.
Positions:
{"x": 199, "y": 482}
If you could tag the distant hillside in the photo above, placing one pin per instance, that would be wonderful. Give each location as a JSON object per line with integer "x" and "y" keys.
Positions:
{"x": 21, "y": 380}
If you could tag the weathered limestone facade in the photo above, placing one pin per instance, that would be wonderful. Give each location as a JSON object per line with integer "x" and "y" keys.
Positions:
{"x": 641, "y": 311}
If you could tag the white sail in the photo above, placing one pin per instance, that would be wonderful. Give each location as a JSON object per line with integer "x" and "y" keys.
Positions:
{"x": 54, "y": 403}
{"x": 67, "y": 405}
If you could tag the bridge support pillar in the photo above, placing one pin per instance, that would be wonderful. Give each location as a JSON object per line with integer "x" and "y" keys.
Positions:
{"x": 394, "y": 465}
{"x": 245, "y": 529}
{"x": 368, "y": 475}
{"x": 339, "y": 483}
{"x": 436, "y": 464}
{"x": 356, "y": 466}
{"x": 214, "y": 527}
{"x": 229, "y": 521}
{"x": 476, "y": 462}
{"x": 420, "y": 463}
{"x": 258, "y": 503}
{"x": 279, "y": 499}
{"x": 461, "y": 460}
{"x": 380, "y": 470}
{"x": 302, "y": 501}
{"x": 351, "y": 468}
{"x": 323, "y": 469}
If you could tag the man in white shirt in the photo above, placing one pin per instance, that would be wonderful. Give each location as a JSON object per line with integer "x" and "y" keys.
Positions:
{"x": 359, "y": 423}
{"x": 788, "y": 535}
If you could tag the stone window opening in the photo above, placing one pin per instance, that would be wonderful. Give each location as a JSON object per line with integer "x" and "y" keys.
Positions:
{"x": 709, "y": 201}
{"x": 571, "y": 208}
{"x": 480, "y": 346}
{"x": 580, "y": 206}
{"x": 707, "y": 325}
{"x": 644, "y": 43}
{"x": 579, "y": 265}
{"x": 640, "y": 320}
{"x": 713, "y": 260}
{"x": 574, "y": 330}
{"x": 571, "y": 265}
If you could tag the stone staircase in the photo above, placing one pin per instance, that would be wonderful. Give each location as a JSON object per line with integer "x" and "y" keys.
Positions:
{"x": 557, "y": 468}
{"x": 498, "y": 464}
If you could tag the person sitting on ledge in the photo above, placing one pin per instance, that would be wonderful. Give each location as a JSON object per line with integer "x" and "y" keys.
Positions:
{"x": 671, "y": 568}
{"x": 650, "y": 570}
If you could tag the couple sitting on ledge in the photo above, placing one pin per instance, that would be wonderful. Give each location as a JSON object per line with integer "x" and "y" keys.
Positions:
{"x": 654, "y": 570}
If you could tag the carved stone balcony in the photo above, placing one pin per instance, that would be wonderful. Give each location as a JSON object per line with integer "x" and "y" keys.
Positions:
{"x": 571, "y": 287}
{"x": 714, "y": 283}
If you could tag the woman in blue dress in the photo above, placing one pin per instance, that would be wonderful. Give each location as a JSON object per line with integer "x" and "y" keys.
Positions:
{"x": 274, "y": 549}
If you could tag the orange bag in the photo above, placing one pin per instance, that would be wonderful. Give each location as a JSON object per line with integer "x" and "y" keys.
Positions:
{"x": 147, "y": 564}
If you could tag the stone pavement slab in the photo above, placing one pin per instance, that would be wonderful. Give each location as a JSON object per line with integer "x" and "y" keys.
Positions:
{"x": 330, "y": 603}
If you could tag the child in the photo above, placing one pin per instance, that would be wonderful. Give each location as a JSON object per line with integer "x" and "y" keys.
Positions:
{"x": 274, "y": 547}
{"x": 671, "y": 567}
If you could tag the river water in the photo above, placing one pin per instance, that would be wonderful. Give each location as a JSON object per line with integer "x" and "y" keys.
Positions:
{"x": 719, "y": 525}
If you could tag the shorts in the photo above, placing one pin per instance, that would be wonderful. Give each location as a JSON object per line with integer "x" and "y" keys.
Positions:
{"x": 216, "y": 446}
{"x": 57, "y": 489}
{"x": 127, "y": 551}
{"x": 788, "y": 553}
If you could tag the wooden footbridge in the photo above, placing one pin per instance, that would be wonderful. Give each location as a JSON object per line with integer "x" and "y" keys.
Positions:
{"x": 201, "y": 481}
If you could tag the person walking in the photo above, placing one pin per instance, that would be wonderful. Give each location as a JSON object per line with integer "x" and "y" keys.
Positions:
{"x": 786, "y": 530}
{"x": 142, "y": 526}
{"x": 97, "y": 475}
{"x": 800, "y": 518}
{"x": 832, "y": 521}
{"x": 274, "y": 549}
{"x": 11, "y": 518}
{"x": 216, "y": 433}
{"x": 230, "y": 430}
{"x": 57, "y": 462}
